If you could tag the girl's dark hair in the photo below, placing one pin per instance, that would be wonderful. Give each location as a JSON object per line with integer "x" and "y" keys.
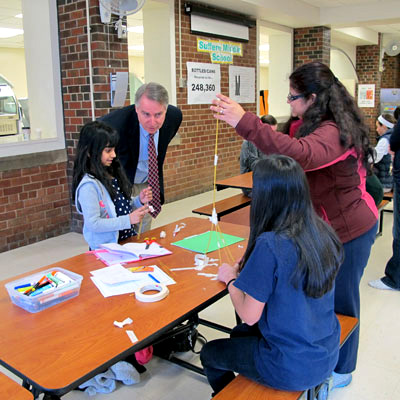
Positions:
{"x": 286, "y": 127}
{"x": 332, "y": 102}
{"x": 94, "y": 137}
{"x": 269, "y": 119}
{"x": 281, "y": 203}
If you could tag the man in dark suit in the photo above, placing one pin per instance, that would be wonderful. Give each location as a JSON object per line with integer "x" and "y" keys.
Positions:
{"x": 151, "y": 116}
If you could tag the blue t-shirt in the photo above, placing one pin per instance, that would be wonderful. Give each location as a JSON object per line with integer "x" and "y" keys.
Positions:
{"x": 299, "y": 347}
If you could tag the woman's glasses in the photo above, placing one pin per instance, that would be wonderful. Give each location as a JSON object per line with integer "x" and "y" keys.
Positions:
{"x": 293, "y": 97}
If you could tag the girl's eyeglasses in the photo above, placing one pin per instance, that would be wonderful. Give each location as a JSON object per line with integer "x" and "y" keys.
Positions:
{"x": 293, "y": 97}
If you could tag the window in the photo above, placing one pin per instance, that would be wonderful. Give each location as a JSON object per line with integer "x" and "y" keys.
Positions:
{"x": 31, "y": 76}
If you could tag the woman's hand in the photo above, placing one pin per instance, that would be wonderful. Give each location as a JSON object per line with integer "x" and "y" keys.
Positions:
{"x": 146, "y": 195}
{"x": 227, "y": 272}
{"x": 137, "y": 215}
{"x": 227, "y": 110}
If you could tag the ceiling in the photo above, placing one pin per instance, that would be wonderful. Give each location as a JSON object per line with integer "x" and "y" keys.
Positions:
{"x": 354, "y": 21}
{"x": 8, "y": 10}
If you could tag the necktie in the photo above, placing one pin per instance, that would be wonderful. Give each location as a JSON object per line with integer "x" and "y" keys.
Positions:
{"x": 153, "y": 177}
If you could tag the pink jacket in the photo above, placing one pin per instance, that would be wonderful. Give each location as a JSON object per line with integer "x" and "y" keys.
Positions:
{"x": 335, "y": 175}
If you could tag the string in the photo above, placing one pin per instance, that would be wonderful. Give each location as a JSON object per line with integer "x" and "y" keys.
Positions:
{"x": 140, "y": 229}
{"x": 215, "y": 227}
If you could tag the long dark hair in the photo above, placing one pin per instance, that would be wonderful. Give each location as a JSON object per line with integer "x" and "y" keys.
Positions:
{"x": 281, "y": 203}
{"x": 94, "y": 137}
{"x": 333, "y": 102}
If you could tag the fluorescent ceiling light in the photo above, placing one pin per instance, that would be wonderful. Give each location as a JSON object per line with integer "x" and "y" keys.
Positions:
{"x": 138, "y": 47}
{"x": 10, "y": 32}
{"x": 18, "y": 16}
{"x": 136, "y": 29}
{"x": 264, "y": 47}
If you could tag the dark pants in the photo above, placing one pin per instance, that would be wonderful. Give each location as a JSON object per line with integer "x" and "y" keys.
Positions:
{"x": 392, "y": 271}
{"x": 223, "y": 356}
{"x": 347, "y": 293}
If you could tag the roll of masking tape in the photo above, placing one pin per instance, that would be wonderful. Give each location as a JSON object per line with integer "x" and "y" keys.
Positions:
{"x": 149, "y": 298}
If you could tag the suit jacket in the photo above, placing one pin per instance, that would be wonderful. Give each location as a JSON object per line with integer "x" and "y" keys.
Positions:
{"x": 126, "y": 122}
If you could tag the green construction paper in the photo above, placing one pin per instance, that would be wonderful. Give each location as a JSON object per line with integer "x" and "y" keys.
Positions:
{"x": 199, "y": 243}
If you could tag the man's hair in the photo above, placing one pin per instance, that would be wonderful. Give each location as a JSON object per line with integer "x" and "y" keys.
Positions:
{"x": 153, "y": 91}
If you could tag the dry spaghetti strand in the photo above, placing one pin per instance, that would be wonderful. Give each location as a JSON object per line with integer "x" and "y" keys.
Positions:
{"x": 216, "y": 227}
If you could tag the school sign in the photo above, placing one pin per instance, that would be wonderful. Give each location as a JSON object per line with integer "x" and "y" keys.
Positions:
{"x": 220, "y": 52}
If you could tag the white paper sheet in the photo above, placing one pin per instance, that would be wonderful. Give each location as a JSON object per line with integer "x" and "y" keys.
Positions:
{"x": 114, "y": 274}
{"x": 108, "y": 290}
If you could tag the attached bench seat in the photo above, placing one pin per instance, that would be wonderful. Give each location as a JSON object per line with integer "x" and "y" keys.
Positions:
{"x": 242, "y": 388}
{"x": 226, "y": 206}
{"x": 388, "y": 196}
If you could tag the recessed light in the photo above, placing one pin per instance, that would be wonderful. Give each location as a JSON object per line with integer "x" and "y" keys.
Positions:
{"x": 136, "y": 29}
{"x": 10, "y": 32}
{"x": 138, "y": 47}
{"x": 263, "y": 47}
{"x": 18, "y": 16}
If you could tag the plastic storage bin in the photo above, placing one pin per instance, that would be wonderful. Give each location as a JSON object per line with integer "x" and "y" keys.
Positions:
{"x": 47, "y": 299}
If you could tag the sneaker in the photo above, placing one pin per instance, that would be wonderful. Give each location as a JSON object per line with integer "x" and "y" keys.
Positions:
{"x": 378, "y": 284}
{"x": 340, "y": 380}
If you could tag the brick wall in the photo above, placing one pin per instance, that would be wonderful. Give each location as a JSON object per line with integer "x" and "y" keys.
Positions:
{"x": 367, "y": 66}
{"x": 109, "y": 54}
{"x": 311, "y": 44}
{"x": 188, "y": 169}
{"x": 34, "y": 205}
{"x": 391, "y": 72}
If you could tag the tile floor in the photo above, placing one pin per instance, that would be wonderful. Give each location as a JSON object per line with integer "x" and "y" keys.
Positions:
{"x": 376, "y": 378}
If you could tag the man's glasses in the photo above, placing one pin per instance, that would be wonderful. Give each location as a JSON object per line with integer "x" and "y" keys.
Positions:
{"x": 293, "y": 97}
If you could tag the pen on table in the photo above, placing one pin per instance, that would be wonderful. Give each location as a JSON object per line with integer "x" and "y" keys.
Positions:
{"x": 154, "y": 279}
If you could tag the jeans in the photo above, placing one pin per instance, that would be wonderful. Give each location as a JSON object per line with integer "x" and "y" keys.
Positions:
{"x": 223, "y": 356}
{"x": 347, "y": 293}
{"x": 392, "y": 271}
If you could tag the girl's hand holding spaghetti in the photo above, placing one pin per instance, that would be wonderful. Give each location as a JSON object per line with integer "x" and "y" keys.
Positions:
{"x": 137, "y": 215}
{"x": 146, "y": 195}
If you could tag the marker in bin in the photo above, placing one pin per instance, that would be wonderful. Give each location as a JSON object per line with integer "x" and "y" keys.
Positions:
{"x": 45, "y": 283}
{"x": 60, "y": 275}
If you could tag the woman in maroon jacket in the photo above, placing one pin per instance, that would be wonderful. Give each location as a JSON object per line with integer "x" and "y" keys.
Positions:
{"x": 332, "y": 146}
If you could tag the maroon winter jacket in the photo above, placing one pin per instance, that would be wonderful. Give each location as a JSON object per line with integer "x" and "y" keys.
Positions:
{"x": 336, "y": 176}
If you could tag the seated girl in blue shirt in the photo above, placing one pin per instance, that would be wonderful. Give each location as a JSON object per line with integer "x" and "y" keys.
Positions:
{"x": 283, "y": 289}
{"x": 101, "y": 190}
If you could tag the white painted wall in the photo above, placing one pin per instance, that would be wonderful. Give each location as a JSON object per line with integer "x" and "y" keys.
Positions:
{"x": 341, "y": 65}
{"x": 12, "y": 67}
{"x": 280, "y": 67}
{"x": 136, "y": 65}
{"x": 264, "y": 78}
{"x": 159, "y": 46}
